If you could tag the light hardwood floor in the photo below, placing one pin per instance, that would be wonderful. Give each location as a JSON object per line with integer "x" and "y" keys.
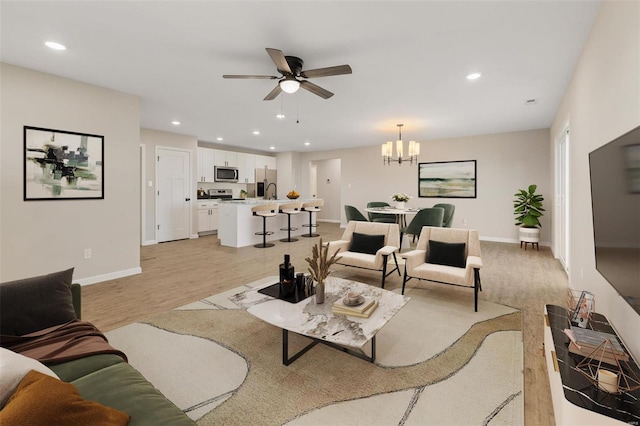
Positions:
{"x": 180, "y": 272}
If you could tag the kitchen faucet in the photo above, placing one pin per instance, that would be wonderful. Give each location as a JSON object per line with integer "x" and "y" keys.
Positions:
{"x": 275, "y": 190}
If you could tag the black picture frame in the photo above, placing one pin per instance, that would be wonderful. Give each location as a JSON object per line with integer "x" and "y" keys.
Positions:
{"x": 448, "y": 179}
{"x": 62, "y": 165}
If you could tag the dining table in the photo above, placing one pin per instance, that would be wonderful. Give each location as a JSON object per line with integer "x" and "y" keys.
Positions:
{"x": 400, "y": 214}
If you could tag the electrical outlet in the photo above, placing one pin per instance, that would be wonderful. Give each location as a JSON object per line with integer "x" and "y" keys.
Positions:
{"x": 87, "y": 253}
{"x": 464, "y": 221}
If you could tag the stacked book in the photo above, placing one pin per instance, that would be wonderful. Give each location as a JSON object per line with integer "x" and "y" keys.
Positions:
{"x": 363, "y": 310}
{"x": 585, "y": 342}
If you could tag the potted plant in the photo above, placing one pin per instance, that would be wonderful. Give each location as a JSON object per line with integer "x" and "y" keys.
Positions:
{"x": 528, "y": 211}
{"x": 400, "y": 198}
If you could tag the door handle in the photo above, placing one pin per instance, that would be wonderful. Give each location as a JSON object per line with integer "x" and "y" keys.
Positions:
{"x": 187, "y": 199}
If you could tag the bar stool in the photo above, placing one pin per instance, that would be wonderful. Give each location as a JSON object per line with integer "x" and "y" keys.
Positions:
{"x": 312, "y": 206}
{"x": 289, "y": 209}
{"x": 265, "y": 211}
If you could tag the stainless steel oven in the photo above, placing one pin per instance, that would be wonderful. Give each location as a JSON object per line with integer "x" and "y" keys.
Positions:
{"x": 226, "y": 174}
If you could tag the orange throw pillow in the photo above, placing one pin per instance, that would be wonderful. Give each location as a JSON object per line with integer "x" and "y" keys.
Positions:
{"x": 40, "y": 399}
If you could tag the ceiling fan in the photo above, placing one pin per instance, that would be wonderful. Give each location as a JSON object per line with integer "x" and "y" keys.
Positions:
{"x": 290, "y": 68}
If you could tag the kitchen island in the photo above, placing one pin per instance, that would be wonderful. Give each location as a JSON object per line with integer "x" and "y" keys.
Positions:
{"x": 238, "y": 227}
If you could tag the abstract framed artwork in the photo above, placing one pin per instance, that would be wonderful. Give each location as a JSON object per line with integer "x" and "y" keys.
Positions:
{"x": 62, "y": 165}
{"x": 447, "y": 179}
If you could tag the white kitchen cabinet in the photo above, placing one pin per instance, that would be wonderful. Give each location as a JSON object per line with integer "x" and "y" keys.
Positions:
{"x": 246, "y": 168}
{"x": 226, "y": 158}
{"x": 207, "y": 216}
{"x": 206, "y": 164}
{"x": 264, "y": 160}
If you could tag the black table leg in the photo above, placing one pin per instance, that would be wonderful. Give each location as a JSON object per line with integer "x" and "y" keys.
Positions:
{"x": 285, "y": 349}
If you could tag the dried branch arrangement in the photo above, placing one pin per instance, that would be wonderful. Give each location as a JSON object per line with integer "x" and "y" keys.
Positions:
{"x": 319, "y": 263}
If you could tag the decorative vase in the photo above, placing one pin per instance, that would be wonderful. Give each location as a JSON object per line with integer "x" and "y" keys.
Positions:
{"x": 320, "y": 292}
{"x": 400, "y": 205}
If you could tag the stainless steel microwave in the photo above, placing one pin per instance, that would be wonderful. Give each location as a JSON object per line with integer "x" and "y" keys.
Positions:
{"x": 226, "y": 174}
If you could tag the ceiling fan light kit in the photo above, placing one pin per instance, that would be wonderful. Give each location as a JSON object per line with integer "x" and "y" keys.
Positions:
{"x": 289, "y": 85}
{"x": 387, "y": 150}
{"x": 290, "y": 68}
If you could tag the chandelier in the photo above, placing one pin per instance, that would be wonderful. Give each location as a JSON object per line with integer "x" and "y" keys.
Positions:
{"x": 387, "y": 150}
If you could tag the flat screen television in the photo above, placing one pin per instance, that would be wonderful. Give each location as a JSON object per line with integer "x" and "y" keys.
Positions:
{"x": 615, "y": 201}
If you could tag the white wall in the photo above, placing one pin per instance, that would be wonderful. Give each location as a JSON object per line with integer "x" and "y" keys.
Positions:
{"x": 602, "y": 103}
{"x": 506, "y": 162}
{"x": 152, "y": 139}
{"x": 40, "y": 237}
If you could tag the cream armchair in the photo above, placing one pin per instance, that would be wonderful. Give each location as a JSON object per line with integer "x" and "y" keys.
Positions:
{"x": 368, "y": 245}
{"x": 448, "y": 256}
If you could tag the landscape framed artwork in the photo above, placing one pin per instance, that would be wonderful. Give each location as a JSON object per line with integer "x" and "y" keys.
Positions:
{"x": 62, "y": 165}
{"x": 447, "y": 179}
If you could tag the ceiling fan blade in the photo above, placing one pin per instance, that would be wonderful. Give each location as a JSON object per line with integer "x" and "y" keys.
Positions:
{"x": 315, "y": 89}
{"x": 278, "y": 58}
{"x": 325, "y": 72}
{"x": 274, "y": 93}
{"x": 269, "y": 77}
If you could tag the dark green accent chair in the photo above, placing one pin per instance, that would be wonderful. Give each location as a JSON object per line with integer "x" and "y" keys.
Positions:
{"x": 449, "y": 209}
{"x": 354, "y": 214}
{"x": 380, "y": 217}
{"x": 432, "y": 216}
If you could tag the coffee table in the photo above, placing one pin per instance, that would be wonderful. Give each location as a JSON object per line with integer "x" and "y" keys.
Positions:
{"x": 347, "y": 333}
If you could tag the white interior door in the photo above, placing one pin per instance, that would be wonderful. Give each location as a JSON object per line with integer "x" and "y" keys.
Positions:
{"x": 173, "y": 198}
{"x": 313, "y": 180}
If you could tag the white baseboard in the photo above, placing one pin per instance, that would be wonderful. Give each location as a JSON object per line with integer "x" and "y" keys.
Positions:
{"x": 149, "y": 242}
{"x": 500, "y": 240}
{"x": 328, "y": 220}
{"x": 508, "y": 240}
{"x": 194, "y": 236}
{"x": 106, "y": 277}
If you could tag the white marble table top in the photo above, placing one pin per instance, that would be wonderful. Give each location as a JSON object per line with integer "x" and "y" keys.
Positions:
{"x": 317, "y": 321}
{"x": 392, "y": 210}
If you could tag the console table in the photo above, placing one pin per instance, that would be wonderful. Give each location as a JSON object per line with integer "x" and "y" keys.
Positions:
{"x": 575, "y": 399}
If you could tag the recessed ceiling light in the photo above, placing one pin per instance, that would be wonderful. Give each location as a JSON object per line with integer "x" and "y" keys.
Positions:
{"x": 256, "y": 132}
{"x": 474, "y": 76}
{"x": 280, "y": 116}
{"x": 272, "y": 147}
{"x": 175, "y": 123}
{"x": 219, "y": 139}
{"x": 307, "y": 143}
{"x": 55, "y": 46}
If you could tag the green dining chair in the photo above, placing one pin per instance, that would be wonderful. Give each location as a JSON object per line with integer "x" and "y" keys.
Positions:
{"x": 425, "y": 217}
{"x": 449, "y": 209}
{"x": 380, "y": 217}
{"x": 354, "y": 214}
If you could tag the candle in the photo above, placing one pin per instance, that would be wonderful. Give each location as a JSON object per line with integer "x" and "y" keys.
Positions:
{"x": 608, "y": 381}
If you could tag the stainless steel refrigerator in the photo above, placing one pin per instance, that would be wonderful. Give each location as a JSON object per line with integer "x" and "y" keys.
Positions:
{"x": 265, "y": 186}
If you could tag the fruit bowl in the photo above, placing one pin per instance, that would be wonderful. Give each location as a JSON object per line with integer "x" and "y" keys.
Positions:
{"x": 293, "y": 197}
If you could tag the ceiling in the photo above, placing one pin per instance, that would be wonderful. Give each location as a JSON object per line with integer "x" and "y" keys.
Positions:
{"x": 409, "y": 59}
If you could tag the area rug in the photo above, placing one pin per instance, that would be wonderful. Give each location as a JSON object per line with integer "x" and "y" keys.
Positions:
{"x": 438, "y": 362}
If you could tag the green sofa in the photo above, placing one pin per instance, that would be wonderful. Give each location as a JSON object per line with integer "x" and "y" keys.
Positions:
{"x": 105, "y": 378}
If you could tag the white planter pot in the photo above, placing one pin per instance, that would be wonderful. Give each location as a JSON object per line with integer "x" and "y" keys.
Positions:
{"x": 400, "y": 205}
{"x": 530, "y": 235}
